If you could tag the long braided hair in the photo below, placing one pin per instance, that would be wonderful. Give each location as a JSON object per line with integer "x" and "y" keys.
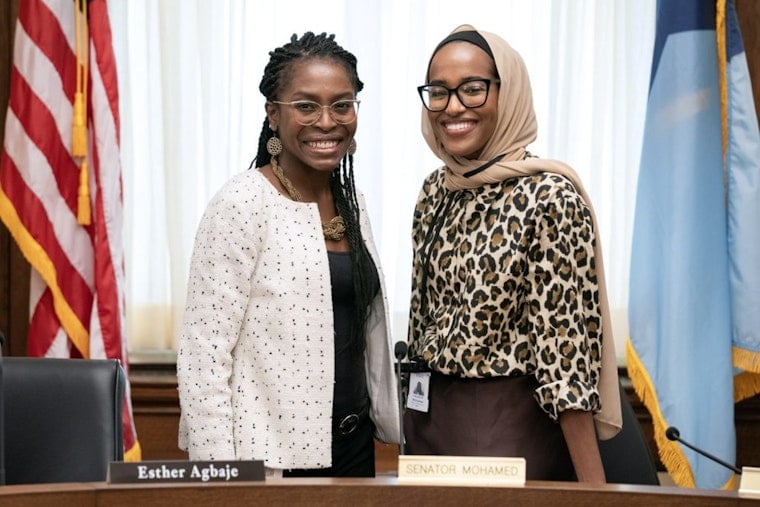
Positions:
{"x": 342, "y": 184}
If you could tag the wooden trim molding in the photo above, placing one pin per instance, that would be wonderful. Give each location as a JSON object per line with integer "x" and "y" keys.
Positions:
{"x": 155, "y": 407}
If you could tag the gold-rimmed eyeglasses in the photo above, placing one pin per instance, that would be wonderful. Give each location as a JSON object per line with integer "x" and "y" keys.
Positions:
{"x": 471, "y": 94}
{"x": 307, "y": 112}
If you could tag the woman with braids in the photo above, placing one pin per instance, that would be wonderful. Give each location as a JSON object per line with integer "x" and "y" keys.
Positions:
{"x": 285, "y": 354}
{"x": 508, "y": 307}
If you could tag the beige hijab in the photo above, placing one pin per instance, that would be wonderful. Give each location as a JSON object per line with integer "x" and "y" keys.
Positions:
{"x": 515, "y": 129}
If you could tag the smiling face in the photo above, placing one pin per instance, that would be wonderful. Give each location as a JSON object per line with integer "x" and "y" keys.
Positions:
{"x": 462, "y": 131}
{"x": 320, "y": 146}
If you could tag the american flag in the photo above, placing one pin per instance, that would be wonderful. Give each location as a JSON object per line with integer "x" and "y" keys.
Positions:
{"x": 60, "y": 183}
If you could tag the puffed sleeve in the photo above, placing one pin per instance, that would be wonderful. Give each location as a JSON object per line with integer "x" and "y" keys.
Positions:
{"x": 563, "y": 296}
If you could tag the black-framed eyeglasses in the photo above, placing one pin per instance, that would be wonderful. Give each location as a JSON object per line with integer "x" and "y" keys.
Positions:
{"x": 308, "y": 112}
{"x": 471, "y": 94}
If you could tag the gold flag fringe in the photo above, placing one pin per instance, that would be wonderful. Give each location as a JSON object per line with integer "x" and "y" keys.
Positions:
{"x": 720, "y": 43}
{"x": 746, "y": 384}
{"x": 133, "y": 454}
{"x": 670, "y": 452}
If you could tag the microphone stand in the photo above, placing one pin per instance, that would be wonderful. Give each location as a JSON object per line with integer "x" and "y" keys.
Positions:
{"x": 400, "y": 352}
{"x": 673, "y": 434}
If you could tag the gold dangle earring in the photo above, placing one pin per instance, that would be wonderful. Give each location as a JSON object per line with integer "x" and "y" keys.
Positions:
{"x": 274, "y": 145}
{"x": 352, "y": 147}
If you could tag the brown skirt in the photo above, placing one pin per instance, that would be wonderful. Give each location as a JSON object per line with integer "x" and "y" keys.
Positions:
{"x": 489, "y": 417}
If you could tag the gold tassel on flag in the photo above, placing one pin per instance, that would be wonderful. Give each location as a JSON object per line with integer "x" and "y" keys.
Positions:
{"x": 78, "y": 127}
{"x": 84, "y": 214}
{"x": 79, "y": 122}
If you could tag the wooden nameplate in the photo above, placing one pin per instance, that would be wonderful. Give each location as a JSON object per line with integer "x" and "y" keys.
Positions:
{"x": 140, "y": 472}
{"x": 461, "y": 470}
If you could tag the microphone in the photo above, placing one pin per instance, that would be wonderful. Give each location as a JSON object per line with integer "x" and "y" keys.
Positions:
{"x": 400, "y": 352}
{"x": 673, "y": 434}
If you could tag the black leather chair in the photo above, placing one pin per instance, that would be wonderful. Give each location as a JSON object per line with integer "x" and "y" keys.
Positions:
{"x": 62, "y": 419}
{"x": 626, "y": 457}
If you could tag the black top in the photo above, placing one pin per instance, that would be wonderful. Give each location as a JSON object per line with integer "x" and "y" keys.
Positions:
{"x": 350, "y": 391}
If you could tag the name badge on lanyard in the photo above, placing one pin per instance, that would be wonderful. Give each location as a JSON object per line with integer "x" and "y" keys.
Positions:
{"x": 419, "y": 391}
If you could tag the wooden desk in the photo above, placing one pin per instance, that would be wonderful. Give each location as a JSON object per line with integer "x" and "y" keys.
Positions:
{"x": 382, "y": 491}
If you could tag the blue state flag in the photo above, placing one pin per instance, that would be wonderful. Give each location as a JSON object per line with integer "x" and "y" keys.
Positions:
{"x": 695, "y": 264}
{"x": 742, "y": 156}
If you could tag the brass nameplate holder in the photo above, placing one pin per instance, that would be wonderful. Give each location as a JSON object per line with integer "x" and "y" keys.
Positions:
{"x": 140, "y": 472}
{"x": 461, "y": 470}
{"x": 749, "y": 484}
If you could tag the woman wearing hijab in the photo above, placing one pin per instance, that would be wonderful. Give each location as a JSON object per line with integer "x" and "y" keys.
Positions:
{"x": 508, "y": 310}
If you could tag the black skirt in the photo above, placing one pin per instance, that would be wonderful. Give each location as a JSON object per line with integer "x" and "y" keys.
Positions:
{"x": 489, "y": 417}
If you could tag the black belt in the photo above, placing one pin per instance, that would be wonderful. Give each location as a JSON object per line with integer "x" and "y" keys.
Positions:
{"x": 344, "y": 426}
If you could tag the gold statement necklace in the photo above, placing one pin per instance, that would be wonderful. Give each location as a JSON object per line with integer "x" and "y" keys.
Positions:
{"x": 333, "y": 230}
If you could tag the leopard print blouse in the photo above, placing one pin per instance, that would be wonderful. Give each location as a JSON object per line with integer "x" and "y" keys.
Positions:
{"x": 504, "y": 284}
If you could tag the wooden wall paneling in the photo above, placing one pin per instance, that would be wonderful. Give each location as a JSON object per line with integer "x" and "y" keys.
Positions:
{"x": 14, "y": 270}
{"x": 155, "y": 406}
{"x": 748, "y": 12}
{"x": 156, "y": 409}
